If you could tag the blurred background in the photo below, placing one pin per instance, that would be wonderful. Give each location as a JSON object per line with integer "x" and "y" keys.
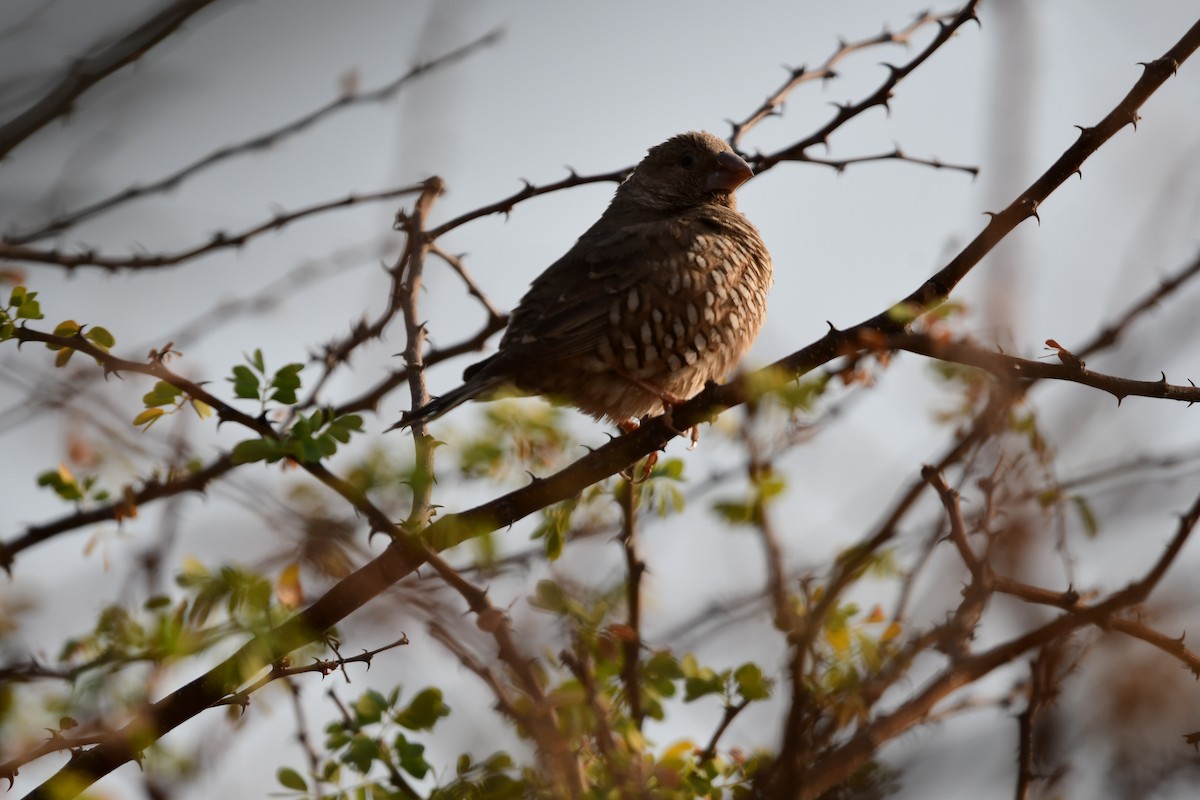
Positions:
{"x": 590, "y": 87}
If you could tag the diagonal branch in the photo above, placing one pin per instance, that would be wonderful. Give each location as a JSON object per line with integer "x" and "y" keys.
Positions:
{"x": 89, "y": 71}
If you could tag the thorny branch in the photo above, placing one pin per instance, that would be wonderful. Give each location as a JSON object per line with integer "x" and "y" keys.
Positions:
{"x": 219, "y": 240}
{"x": 260, "y": 142}
{"x": 1020, "y": 370}
{"x": 90, "y": 70}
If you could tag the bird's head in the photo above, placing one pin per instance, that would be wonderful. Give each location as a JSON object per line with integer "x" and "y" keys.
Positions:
{"x": 685, "y": 171}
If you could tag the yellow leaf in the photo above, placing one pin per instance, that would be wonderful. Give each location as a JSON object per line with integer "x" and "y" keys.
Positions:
{"x": 891, "y": 632}
{"x": 64, "y": 355}
{"x": 838, "y": 639}
{"x": 678, "y": 750}
{"x": 288, "y": 588}
{"x": 148, "y": 416}
{"x": 65, "y": 473}
{"x": 194, "y": 567}
{"x": 203, "y": 410}
{"x": 876, "y": 614}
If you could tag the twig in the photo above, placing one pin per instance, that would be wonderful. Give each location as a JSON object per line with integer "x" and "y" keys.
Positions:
{"x": 1016, "y": 369}
{"x": 631, "y": 645}
{"x": 406, "y": 286}
{"x": 88, "y": 71}
{"x": 260, "y": 142}
{"x": 219, "y": 240}
{"x": 839, "y": 764}
{"x": 771, "y": 107}
{"x": 456, "y": 264}
{"x": 880, "y": 97}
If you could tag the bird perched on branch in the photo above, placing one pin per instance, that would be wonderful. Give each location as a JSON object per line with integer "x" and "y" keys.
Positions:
{"x": 666, "y": 292}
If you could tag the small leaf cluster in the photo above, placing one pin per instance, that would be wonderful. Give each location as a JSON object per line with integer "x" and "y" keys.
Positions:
{"x": 74, "y": 490}
{"x": 309, "y": 439}
{"x": 245, "y": 595}
{"x": 373, "y": 753}
{"x": 853, "y": 648}
{"x": 166, "y": 398}
{"x": 161, "y": 632}
{"x": 22, "y": 304}
{"x": 677, "y": 771}
{"x": 100, "y": 337}
{"x": 516, "y": 437}
{"x": 766, "y": 486}
{"x": 251, "y": 381}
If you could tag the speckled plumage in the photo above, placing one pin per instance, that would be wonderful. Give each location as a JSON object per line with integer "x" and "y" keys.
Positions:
{"x": 665, "y": 292}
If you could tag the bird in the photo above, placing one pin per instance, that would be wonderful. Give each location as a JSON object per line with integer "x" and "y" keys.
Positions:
{"x": 666, "y": 292}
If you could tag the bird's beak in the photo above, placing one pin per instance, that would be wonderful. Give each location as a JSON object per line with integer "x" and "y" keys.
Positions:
{"x": 731, "y": 172}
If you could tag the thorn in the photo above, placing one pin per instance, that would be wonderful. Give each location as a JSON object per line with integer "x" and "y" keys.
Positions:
{"x": 832, "y": 328}
{"x": 1164, "y": 378}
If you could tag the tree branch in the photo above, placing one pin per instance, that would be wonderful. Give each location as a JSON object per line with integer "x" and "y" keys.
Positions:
{"x": 88, "y": 71}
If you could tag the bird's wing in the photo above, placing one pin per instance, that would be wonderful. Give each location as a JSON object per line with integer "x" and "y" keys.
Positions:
{"x": 567, "y": 310}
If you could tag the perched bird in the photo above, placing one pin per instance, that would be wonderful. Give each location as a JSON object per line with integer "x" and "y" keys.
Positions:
{"x": 666, "y": 292}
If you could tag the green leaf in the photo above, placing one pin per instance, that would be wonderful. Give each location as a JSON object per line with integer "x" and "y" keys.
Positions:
{"x": 245, "y": 383}
{"x": 67, "y": 327}
{"x": 100, "y": 337}
{"x": 363, "y": 750}
{"x": 163, "y": 394}
{"x": 751, "y": 683}
{"x": 62, "y": 482}
{"x": 369, "y": 707}
{"x": 285, "y": 383}
{"x": 549, "y": 596}
{"x": 1091, "y": 524}
{"x": 735, "y": 513}
{"x": 30, "y": 309}
{"x": 424, "y": 711}
{"x": 412, "y": 756}
{"x": 699, "y": 681}
{"x": 290, "y": 779}
{"x": 251, "y": 450}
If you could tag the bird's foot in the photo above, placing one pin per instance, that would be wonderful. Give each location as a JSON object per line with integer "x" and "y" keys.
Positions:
{"x": 692, "y": 433}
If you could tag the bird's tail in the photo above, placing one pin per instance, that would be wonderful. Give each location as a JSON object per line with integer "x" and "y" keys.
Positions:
{"x": 453, "y": 399}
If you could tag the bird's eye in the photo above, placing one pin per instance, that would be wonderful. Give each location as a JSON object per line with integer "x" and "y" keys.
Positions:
{"x": 688, "y": 161}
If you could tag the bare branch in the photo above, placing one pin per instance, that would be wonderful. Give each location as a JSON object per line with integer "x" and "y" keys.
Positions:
{"x": 260, "y": 142}
{"x": 772, "y": 106}
{"x": 88, "y": 71}
{"x": 219, "y": 240}
{"x": 1020, "y": 370}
